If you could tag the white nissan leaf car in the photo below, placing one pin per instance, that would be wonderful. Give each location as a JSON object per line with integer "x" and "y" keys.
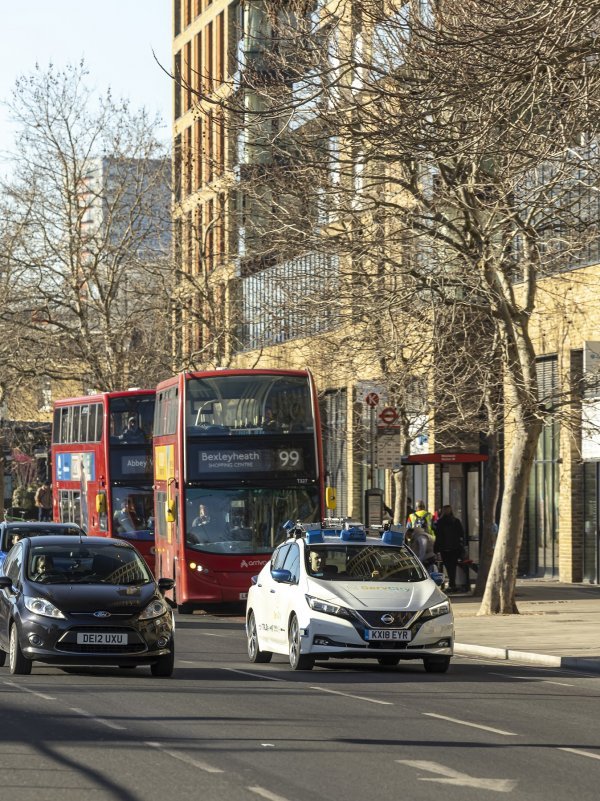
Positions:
{"x": 336, "y": 593}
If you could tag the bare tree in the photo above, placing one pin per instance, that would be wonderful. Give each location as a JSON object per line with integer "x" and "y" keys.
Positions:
{"x": 87, "y": 210}
{"x": 430, "y": 162}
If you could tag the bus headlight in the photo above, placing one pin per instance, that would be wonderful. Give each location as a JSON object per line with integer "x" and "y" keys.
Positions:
{"x": 198, "y": 568}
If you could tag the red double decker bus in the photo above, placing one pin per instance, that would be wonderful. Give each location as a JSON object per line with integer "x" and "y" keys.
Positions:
{"x": 237, "y": 453}
{"x": 102, "y": 465}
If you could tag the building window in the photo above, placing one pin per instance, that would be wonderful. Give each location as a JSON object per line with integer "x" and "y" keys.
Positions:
{"x": 271, "y": 315}
{"x": 539, "y": 554}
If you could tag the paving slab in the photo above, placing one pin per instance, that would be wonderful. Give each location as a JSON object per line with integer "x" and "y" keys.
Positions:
{"x": 558, "y": 625}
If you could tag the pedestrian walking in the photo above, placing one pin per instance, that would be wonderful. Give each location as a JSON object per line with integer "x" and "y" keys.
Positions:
{"x": 421, "y": 518}
{"x": 43, "y": 501}
{"x": 421, "y": 543}
{"x": 450, "y": 543}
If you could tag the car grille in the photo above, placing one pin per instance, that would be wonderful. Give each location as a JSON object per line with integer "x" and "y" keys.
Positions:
{"x": 75, "y": 648}
{"x": 373, "y": 619}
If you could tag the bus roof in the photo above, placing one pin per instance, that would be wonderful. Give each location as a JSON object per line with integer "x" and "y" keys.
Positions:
{"x": 233, "y": 371}
{"x": 101, "y": 396}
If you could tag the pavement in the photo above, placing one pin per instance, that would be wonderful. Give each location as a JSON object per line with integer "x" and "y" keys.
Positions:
{"x": 558, "y": 626}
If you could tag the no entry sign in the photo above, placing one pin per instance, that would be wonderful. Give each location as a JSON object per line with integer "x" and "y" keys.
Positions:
{"x": 388, "y": 415}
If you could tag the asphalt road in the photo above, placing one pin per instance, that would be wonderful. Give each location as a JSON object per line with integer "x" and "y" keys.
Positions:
{"x": 222, "y": 729}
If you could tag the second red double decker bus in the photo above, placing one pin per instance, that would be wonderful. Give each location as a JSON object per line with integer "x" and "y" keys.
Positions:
{"x": 237, "y": 453}
{"x": 102, "y": 465}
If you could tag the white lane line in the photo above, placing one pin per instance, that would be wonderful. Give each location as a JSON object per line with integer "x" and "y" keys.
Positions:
{"x": 356, "y": 697}
{"x": 510, "y": 663}
{"x": 210, "y": 634}
{"x": 266, "y": 794}
{"x": 27, "y": 690}
{"x": 531, "y": 678}
{"x": 255, "y": 675}
{"x": 103, "y": 721}
{"x": 196, "y": 763}
{"x": 581, "y": 753}
{"x": 558, "y": 683}
{"x": 472, "y": 725}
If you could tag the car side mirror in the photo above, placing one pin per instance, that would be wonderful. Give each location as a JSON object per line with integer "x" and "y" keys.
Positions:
{"x": 165, "y": 584}
{"x": 282, "y": 576}
{"x": 5, "y": 582}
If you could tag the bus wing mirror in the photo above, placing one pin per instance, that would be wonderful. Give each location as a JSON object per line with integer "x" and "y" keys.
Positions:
{"x": 101, "y": 503}
{"x": 330, "y": 499}
{"x": 170, "y": 512}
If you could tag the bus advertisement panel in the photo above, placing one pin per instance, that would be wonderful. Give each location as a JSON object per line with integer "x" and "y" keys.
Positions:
{"x": 103, "y": 471}
{"x": 237, "y": 453}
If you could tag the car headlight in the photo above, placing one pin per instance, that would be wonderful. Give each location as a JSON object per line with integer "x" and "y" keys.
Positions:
{"x": 40, "y": 606}
{"x": 155, "y": 608}
{"x": 326, "y": 608}
{"x": 436, "y": 610}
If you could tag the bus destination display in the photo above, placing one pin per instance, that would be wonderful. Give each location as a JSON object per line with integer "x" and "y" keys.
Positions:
{"x": 215, "y": 460}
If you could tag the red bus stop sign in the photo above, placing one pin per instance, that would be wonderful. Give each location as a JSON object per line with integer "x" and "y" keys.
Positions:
{"x": 372, "y": 399}
{"x": 388, "y": 415}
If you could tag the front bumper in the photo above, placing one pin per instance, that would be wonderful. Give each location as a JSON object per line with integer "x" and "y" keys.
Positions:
{"x": 327, "y": 635}
{"x": 50, "y": 641}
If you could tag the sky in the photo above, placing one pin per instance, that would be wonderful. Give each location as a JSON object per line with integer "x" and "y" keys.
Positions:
{"x": 114, "y": 37}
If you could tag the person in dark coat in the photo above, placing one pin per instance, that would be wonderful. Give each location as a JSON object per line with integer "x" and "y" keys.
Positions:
{"x": 450, "y": 543}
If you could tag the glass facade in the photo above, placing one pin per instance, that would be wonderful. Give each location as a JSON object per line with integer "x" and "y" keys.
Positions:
{"x": 285, "y": 301}
{"x": 539, "y": 554}
{"x": 591, "y": 522}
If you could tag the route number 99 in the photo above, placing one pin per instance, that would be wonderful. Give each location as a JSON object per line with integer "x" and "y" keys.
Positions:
{"x": 289, "y": 459}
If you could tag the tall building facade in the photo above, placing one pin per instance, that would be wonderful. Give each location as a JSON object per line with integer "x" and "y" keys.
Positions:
{"x": 237, "y": 302}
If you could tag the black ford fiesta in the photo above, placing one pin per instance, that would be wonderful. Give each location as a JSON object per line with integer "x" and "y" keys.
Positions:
{"x": 84, "y": 601}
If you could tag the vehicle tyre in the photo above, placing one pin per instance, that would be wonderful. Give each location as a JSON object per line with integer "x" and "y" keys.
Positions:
{"x": 436, "y": 664}
{"x": 164, "y": 664}
{"x": 389, "y": 661}
{"x": 2, "y": 658}
{"x": 298, "y": 661}
{"x": 254, "y": 652}
{"x": 19, "y": 665}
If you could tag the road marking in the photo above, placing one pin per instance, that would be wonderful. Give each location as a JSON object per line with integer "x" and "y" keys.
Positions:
{"x": 511, "y": 663}
{"x": 356, "y": 697}
{"x": 472, "y": 725}
{"x": 28, "y": 690}
{"x": 266, "y": 794}
{"x": 197, "y": 763}
{"x": 255, "y": 675}
{"x": 581, "y": 753}
{"x": 531, "y": 678}
{"x": 452, "y": 776}
{"x": 103, "y": 721}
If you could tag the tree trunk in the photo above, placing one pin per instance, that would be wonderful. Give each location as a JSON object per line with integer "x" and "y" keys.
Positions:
{"x": 491, "y": 492}
{"x": 499, "y": 596}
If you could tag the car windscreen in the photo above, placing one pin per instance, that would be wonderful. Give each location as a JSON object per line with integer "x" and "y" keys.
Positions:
{"x": 359, "y": 562}
{"x": 83, "y": 564}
